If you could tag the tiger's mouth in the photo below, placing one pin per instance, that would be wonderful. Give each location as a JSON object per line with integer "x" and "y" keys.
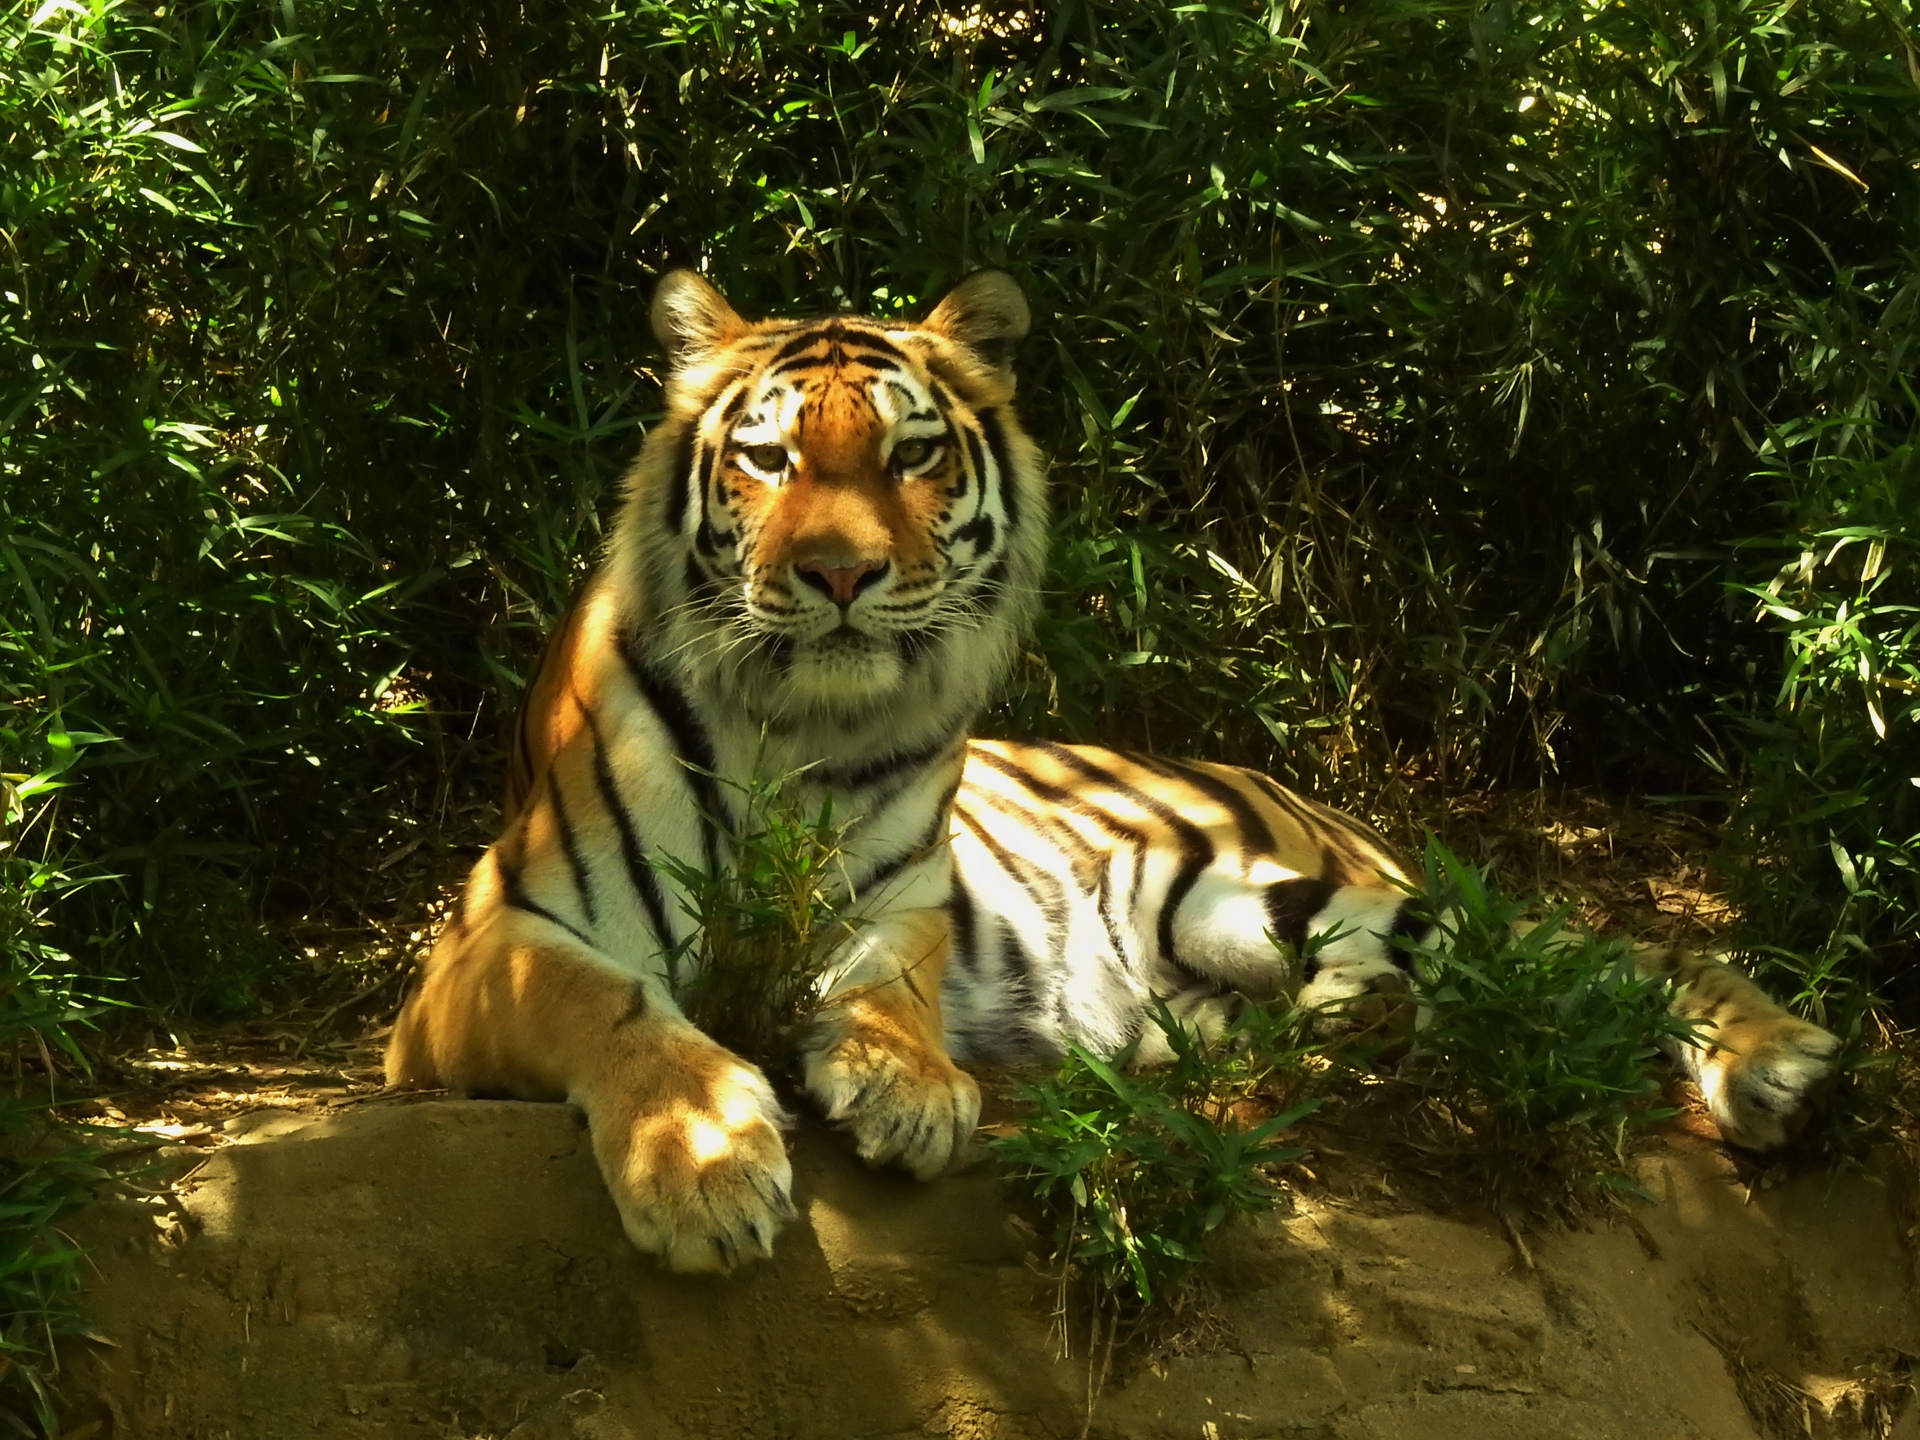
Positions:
{"x": 846, "y": 638}
{"x": 847, "y": 669}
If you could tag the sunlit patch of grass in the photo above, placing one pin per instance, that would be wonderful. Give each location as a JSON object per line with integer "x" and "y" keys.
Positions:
{"x": 767, "y": 922}
{"x": 1134, "y": 1170}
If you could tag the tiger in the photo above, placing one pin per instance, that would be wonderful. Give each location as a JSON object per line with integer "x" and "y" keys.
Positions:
{"x": 824, "y": 563}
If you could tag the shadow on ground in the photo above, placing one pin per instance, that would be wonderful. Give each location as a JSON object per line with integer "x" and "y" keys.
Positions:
{"x": 453, "y": 1270}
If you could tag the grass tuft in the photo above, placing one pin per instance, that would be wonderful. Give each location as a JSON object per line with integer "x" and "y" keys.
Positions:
{"x": 766, "y": 926}
{"x": 1135, "y": 1171}
{"x": 1535, "y": 1044}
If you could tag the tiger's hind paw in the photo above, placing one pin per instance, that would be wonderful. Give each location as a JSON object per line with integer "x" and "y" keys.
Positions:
{"x": 1762, "y": 1081}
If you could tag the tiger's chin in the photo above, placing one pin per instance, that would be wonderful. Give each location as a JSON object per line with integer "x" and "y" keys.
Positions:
{"x": 845, "y": 673}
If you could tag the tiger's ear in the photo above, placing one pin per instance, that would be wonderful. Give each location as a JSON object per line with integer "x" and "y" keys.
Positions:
{"x": 986, "y": 313}
{"x": 690, "y": 317}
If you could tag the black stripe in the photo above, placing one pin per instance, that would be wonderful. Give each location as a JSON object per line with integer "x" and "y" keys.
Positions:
{"x": 695, "y": 578}
{"x": 702, "y": 481}
{"x": 961, "y": 922}
{"x": 1311, "y": 813}
{"x": 1103, "y": 902}
{"x": 1002, "y": 459}
{"x": 1057, "y": 796}
{"x": 1410, "y": 923}
{"x": 876, "y": 341}
{"x": 1196, "y": 850}
{"x": 1045, "y": 888}
{"x": 690, "y": 744}
{"x": 874, "y": 771}
{"x": 979, "y": 458}
{"x": 676, "y": 515}
{"x": 1375, "y": 843}
{"x": 569, "y": 842}
{"x": 995, "y": 580}
{"x": 884, "y": 795}
{"x": 1046, "y": 819}
{"x": 936, "y": 834}
{"x": 805, "y": 340}
{"x": 1314, "y": 820}
{"x": 1019, "y": 995}
{"x": 880, "y": 362}
{"x": 1258, "y": 834}
{"x": 1075, "y": 850}
{"x": 518, "y": 898}
{"x": 703, "y": 539}
{"x": 978, "y": 532}
{"x": 1291, "y": 906}
{"x": 646, "y": 883}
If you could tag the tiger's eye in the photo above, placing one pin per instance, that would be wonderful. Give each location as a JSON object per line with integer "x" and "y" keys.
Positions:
{"x": 770, "y": 458}
{"x": 909, "y": 454}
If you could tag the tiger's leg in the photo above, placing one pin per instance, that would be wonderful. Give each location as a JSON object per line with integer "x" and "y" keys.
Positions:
{"x": 686, "y": 1133}
{"x": 1761, "y": 1069}
{"x": 876, "y": 1058}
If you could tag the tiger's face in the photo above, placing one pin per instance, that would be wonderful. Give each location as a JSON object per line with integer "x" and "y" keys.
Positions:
{"x": 847, "y": 488}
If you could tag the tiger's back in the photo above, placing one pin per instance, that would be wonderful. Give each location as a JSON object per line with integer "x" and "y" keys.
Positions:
{"x": 1091, "y": 882}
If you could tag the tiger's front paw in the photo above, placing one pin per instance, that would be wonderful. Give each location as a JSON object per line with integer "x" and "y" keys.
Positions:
{"x": 1763, "y": 1079}
{"x": 1359, "y": 1000}
{"x": 697, "y": 1166}
{"x": 906, "y": 1103}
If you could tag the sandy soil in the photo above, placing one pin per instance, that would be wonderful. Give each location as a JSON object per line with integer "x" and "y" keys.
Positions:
{"x": 399, "y": 1271}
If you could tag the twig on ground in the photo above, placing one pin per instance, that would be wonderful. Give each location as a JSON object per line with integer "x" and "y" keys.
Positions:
{"x": 345, "y": 1005}
{"x": 1519, "y": 1241}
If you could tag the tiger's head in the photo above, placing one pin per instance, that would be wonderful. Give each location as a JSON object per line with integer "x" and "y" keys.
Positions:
{"x": 843, "y": 514}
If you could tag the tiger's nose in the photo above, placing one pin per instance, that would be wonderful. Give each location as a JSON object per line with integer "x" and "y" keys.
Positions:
{"x": 842, "y": 584}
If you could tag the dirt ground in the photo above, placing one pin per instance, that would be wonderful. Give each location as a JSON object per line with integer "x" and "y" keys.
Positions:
{"x": 305, "y": 1256}
{"x": 452, "y": 1269}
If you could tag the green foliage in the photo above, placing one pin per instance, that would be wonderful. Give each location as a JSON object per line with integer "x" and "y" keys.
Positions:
{"x": 39, "y": 1270}
{"x": 1829, "y": 823}
{"x": 1421, "y": 378}
{"x": 1137, "y": 1170}
{"x": 1487, "y": 390}
{"x": 1535, "y": 1040}
{"x": 44, "y": 1174}
{"x": 767, "y": 924}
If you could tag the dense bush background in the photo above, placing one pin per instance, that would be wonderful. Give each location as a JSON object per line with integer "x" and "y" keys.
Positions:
{"x": 1480, "y": 392}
